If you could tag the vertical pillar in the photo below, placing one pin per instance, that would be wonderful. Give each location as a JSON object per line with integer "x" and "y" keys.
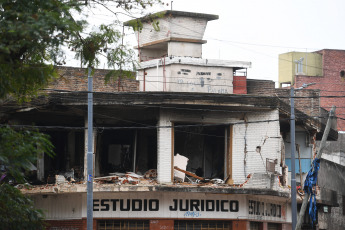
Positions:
{"x": 94, "y": 135}
{"x": 70, "y": 150}
{"x": 85, "y": 148}
{"x": 228, "y": 144}
{"x": 164, "y": 149}
{"x": 40, "y": 166}
{"x": 293, "y": 171}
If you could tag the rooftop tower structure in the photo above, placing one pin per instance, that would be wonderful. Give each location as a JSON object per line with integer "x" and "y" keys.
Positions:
{"x": 170, "y": 56}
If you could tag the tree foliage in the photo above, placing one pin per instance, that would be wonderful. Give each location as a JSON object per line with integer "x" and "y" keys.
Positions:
{"x": 33, "y": 34}
{"x": 17, "y": 211}
{"x": 18, "y": 150}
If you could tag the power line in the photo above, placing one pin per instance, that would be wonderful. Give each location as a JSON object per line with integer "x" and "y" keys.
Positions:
{"x": 208, "y": 96}
{"x": 316, "y": 67}
{"x": 135, "y": 127}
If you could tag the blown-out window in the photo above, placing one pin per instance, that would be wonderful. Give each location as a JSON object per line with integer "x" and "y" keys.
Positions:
{"x": 207, "y": 148}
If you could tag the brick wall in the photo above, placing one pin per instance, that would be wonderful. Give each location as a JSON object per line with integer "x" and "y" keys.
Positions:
{"x": 75, "y": 79}
{"x": 66, "y": 224}
{"x": 240, "y": 85}
{"x": 309, "y": 105}
{"x": 330, "y": 83}
{"x": 260, "y": 87}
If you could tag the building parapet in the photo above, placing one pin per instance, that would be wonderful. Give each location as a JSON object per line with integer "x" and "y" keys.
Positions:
{"x": 219, "y": 189}
{"x": 196, "y": 62}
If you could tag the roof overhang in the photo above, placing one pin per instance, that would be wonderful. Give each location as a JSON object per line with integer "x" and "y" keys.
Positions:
{"x": 196, "y": 62}
{"x": 174, "y": 13}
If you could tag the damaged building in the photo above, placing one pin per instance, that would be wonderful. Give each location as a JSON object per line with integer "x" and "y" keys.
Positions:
{"x": 185, "y": 146}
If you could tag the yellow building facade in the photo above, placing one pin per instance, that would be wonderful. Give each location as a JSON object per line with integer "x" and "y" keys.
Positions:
{"x": 298, "y": 63}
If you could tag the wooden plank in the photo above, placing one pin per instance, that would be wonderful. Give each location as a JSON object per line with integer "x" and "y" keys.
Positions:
{"x": 230, "y": 180}
{"x": 189, "y": 173}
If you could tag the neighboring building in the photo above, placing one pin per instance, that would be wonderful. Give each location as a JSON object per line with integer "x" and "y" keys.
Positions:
{"x": 330, "y": 192}
{"x": 183, "y": 111}
{"x": 325, "y": 68}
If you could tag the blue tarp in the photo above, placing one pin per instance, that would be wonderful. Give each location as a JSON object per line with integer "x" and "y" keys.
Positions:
{"x": 305, "y": 163}
{"x": 310, "y": 182}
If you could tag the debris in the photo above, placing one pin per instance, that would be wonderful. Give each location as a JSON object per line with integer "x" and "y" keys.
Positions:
{"x": 191, "y": 180}
{"x": 217, "y": 181}
{"x": 120, "y": 178}
{"x": 152, "y": 173}
{"x": 181, "y": 163}
{"x": 60, "y": 179}
{"x": 248, "y": 178}
{"x": 110, "y": 179}
{"x": 133, "y": 181}
{"x": 69, "y": 174}
{"x": 133, "y": 175}
{"x": 119, "y": 174}
{"x": 189, "y": 173}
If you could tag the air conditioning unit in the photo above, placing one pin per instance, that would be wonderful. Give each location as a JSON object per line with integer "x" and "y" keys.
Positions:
{"x": 271, "y": 165}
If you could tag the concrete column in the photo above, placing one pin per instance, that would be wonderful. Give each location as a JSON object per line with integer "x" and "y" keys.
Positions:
{"x": 40, "y": 166}
{"x": 85, "y": 149}
{"x": 164, "y": 149}
{"x": 70, "y": 150}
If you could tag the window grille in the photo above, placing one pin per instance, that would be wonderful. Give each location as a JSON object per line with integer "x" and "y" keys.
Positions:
{"x": 201, "y": 225}
{"x": 123, "y": 225}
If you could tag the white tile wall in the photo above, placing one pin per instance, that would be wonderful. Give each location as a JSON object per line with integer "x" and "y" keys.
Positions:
{"x": 164, "y": 149}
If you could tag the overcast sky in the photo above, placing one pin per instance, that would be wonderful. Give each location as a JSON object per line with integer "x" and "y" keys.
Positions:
{"x": 259, "y": 30}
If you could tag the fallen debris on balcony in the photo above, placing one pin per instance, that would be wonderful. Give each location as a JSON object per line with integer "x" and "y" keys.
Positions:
{"x": 189, "y": 173}
{"x": 180, "y": 164}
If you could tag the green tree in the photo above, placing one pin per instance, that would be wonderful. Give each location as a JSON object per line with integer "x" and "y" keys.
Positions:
{"x": 33, "y": 34}
{"x": 18, "y": 149}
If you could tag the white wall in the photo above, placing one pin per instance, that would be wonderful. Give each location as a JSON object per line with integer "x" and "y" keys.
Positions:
{"x": 149, "y": 54}
{"x": 164, "y": 151}
{"x": 180, "y": 27}
{"x": 55, "y": 207}
{"x": 248, "y": 138}
{"x": 185, "y": 49}
{"x": 187, "y": 78}
{"x": 264, "y": 134}
{"x": 61, "y": 206}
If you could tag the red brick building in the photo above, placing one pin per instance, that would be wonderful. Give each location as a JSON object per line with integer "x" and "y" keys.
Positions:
{"x": 330, "y": 83}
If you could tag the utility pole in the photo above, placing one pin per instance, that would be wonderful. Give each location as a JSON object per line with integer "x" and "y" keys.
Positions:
{"x": 89, "y": 152}
{"x": 293, "y": 171}
{"x": 293, "y": 148}
{"x": 318, "y": 156}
